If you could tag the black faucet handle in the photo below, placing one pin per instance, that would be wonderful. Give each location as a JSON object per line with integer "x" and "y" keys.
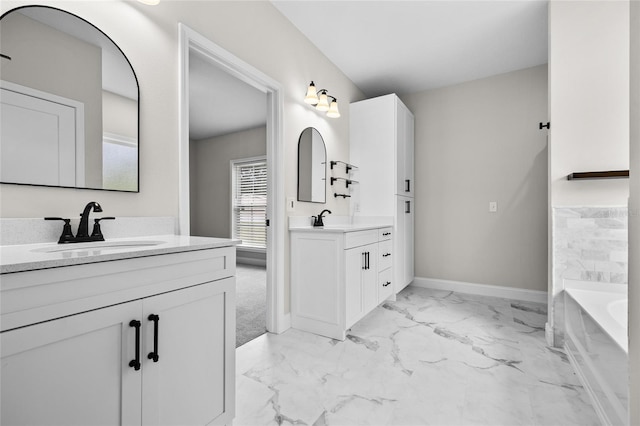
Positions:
{"x": 96, "y": 235}
{"x": 67, "y": 233}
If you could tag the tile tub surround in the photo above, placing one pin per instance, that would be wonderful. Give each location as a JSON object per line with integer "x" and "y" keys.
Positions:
{"x": 431, "y": 357}
{"x": 589, "y": 244}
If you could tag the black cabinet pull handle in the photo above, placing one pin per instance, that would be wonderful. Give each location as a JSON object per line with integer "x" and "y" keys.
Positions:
{"x": 154, "y": 355}
{"x": 364, "y": 260}
{"x": 368, "y": 260}
{"x": 386, "y": 255}
{"x": 135, "y": 363}
{"x": 408, "y": 186}
{"x": 408, "y": 205}
{"x": 386, "y": 234}
{"x": 386, "y": 284}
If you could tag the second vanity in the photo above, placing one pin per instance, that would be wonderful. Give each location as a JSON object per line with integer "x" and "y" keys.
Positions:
{"x": 119, "y": 332}
{"x": 339, "y": 273}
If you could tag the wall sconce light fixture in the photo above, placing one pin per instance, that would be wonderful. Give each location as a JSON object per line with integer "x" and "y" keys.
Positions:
{"x": 320, "y": 100}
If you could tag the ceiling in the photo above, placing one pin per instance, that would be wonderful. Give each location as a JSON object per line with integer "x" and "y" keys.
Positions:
{"x": 219, "y": 103}
{"x": 411, "y": 46}
{"x": 383, "y": 47}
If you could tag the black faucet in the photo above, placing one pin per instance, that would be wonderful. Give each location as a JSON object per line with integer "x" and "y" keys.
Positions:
{"x": 318, "y": 219}
{"x": 83, "y": 228}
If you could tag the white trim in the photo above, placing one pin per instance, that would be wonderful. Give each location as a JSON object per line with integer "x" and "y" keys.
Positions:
{"x": 286, "y": 321}
{"x": 189, "y": 39}
{"x": 482, "y": 289}
{"x": 79, "y": 121}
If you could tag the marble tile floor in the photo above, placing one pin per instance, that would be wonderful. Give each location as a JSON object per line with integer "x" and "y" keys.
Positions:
{"x": 430, "y": 358}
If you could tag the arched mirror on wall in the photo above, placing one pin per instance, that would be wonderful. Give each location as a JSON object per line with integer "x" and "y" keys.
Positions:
{"x": 70, "y": 111}
{"x": 312, "y": 167}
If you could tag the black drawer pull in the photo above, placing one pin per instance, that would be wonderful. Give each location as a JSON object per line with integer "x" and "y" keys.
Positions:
{"x": 408, "y": 186}
{"x": 386, "y": 284}
{"x": 386, "y": 255}
{"x": 408, "y": 207}
{"x": 154, "y": 355}
{"x": 135, "y": 363}
{"x": 386, "y": 234}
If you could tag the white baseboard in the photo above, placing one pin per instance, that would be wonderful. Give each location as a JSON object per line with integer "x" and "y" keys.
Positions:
{"x": 548, "y": 334}
{"x": 482, "y": 289}
{"x": 284, "y": 323}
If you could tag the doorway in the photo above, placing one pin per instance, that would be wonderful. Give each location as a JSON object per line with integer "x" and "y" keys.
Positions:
{"x": 194, "y": 45}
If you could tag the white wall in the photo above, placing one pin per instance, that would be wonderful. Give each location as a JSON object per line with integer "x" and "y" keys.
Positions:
{"x": 478, "y": 142}
{"x": 634, "y": 217}
{"x": 210, "y": 183}
{"x": 588, "y": 99}
{"x": 119, "y": 115}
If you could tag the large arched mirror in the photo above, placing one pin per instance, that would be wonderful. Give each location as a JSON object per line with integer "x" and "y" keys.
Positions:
{"x": 69, "y": 99}
{"x": 312, "y": 166}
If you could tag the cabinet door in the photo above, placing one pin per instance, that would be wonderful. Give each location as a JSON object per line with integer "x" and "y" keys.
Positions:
{"x": 404, "y": 151}
{"x": 370, "y": 278}
{"x": 409, "y": 238}
{"x": 73, "y": 370}
{"x": 409, "y": 167}
{"x": 192, "y": 381}
{"x": 403, "y": 243}
{"x": 355, "y": 263}
{"x": 401, "y": 149}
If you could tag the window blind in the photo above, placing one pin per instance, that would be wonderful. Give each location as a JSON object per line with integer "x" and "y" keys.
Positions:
{"x": 250, "y": 203}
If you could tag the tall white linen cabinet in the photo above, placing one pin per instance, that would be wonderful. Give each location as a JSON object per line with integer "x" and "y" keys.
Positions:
{"x": 381, "y": 146}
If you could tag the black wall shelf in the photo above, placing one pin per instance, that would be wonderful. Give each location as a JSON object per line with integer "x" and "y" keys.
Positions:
{"x": 347, "y": 181}
{"x": 613, "y": 174}
{"x": 347, "y": 166}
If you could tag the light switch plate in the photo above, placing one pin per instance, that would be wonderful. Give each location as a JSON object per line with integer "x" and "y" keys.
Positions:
{"x": 291, "y": 204}
{"x": 493, "y": 206}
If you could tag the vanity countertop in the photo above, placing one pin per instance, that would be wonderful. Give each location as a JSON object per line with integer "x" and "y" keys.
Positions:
{"x": 337, "y": 228}
{"x": 339, "y": 224}
{"x": 27, "y": 257}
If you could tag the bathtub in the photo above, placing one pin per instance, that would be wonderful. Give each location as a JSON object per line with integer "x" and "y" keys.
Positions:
{"x": 596, "y": 342}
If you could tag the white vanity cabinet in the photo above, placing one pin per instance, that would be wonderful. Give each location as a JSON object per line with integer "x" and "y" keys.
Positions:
{"x": 336, "y": 276}
{"x": 382, "y": 145}
{"x": 72, "y": 338}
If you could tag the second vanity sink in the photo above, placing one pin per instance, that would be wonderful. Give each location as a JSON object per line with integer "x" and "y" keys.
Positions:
{"x": 98, "y": 245}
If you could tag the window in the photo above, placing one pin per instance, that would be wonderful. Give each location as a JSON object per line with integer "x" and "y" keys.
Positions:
{"x": 249, "y": 205}
{"x": 119, "y": 162}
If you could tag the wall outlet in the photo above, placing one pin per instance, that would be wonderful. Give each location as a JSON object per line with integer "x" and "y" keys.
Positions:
{"x": 493, "y": 206}
{"x": 291, "y": 204}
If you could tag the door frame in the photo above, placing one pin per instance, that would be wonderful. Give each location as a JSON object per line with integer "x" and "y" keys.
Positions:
{"x": 225, "y": 60}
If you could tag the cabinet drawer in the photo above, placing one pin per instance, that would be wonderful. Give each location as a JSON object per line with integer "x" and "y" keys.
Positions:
{"x": 385, "y": 284}
{"x": 360, "y": 238}
{"x": 385, "y": 253}
{"x": 385, "y": 234}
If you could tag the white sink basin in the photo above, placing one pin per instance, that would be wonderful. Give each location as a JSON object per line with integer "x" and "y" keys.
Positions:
{"x": 98, "y": 245}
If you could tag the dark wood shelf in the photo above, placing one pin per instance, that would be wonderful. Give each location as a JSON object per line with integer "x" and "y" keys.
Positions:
{"x": 614, "y": 174}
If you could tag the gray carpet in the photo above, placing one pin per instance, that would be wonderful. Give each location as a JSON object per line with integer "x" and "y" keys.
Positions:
{"x": 251, "y": 302}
